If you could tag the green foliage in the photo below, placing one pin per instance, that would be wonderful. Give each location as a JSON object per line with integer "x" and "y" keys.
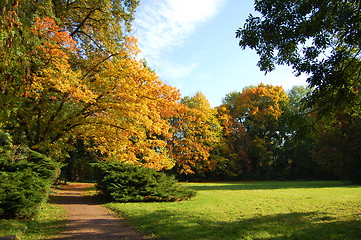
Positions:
{"x": 298, "y": 137}
{"x": 229, "y": 100}
{"x": 21, "y": 194}
{"x": 26, "y": 177}
{"x": 319, "y": 38}
{"x": 78, "y": 165}
{"x": 338, "y": 145}
{"x": 131, "y": 183}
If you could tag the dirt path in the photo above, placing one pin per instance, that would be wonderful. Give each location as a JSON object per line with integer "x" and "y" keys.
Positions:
{"x": 88, "y": 219}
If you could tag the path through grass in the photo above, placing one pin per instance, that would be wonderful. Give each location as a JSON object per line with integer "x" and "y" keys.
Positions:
{"x": 259, "y": 210}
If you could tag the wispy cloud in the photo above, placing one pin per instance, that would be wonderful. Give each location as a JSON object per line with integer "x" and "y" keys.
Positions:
{"x": 161, "y": 25}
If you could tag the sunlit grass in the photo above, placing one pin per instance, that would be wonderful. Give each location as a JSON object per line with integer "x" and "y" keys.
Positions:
{"x": 260, "y": 210}
{"x": 47, "y": 224}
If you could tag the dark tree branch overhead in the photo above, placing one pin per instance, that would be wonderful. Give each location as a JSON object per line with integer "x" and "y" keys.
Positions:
{"x": 300, "y": 34}
{"x": 53, "y": 117}
{"x": 83, "y": 21}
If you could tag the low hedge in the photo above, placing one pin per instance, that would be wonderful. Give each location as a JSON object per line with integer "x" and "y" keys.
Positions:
{"x": 122, "y": 182}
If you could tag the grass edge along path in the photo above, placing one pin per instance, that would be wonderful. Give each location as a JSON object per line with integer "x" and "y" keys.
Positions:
{"x": 255, "y": 210}
{"x": 47, "y": 224}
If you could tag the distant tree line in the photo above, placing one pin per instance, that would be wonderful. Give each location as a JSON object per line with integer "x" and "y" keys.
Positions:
{"x": 264, "y": 132}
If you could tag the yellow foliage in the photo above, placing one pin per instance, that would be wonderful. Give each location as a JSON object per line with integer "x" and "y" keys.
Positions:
{"x": 196, "y": 132}
{"x": 262, "y": 103}
{"x": 111, "y": 99}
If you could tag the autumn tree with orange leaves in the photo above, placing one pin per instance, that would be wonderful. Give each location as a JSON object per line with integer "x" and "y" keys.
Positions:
{"x": 235, "y": 142}
{"x": 196, "y": 137}
{"x": 259, "y": 110}
{"x": 69, "y": 71}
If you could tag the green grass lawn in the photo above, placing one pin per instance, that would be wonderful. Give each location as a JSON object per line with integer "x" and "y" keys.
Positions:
{"x": 44, "y": 226}
{"x": 253, "y": 210}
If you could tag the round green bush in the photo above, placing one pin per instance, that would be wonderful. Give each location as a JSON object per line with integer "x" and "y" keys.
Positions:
{"x": 122, "y": 182}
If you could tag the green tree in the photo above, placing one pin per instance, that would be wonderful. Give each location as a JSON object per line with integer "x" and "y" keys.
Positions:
{"x": 228, "y": 100}
{"x": 298, "y": 128}
{"x": 318, "y": 38}
{"x": 338, "y": 142}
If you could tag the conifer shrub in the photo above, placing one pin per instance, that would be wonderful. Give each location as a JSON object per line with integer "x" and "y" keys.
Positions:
{"x": 25, "y": 180}
{"x": 122, "y": 182}
{"x": 20, "y": 194}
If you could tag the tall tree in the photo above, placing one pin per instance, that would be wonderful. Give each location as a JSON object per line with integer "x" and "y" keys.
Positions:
{"x": 196, "y": 136}
{"x": 259, "y": 109}
{"x": 319, "y": 38}
{"x": 70, "y": 71}
{"x": 338, "y": 143}
{"x": 235, "y": 142}
{"x": 297, "y": 125}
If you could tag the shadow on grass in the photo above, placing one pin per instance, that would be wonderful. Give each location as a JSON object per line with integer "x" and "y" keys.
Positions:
{"x": 31, "y": 229}
{"x": 271, "y": 185}
{"x": 305, "y": 226}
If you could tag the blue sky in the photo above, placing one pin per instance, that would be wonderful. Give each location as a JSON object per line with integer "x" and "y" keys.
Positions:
{"x": 191, "y": 45}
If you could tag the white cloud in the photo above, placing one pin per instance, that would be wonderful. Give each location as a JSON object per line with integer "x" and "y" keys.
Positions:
{"x": 161, "y": 25}
{"x": 176, "y": 71}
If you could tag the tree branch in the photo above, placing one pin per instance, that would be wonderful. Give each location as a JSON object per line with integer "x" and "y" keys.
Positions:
{"x": 98, "y": 64}
{"x": 83, "y": 22}
{"x": 87, "y": 35}
{"x": 52, "y": 118}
